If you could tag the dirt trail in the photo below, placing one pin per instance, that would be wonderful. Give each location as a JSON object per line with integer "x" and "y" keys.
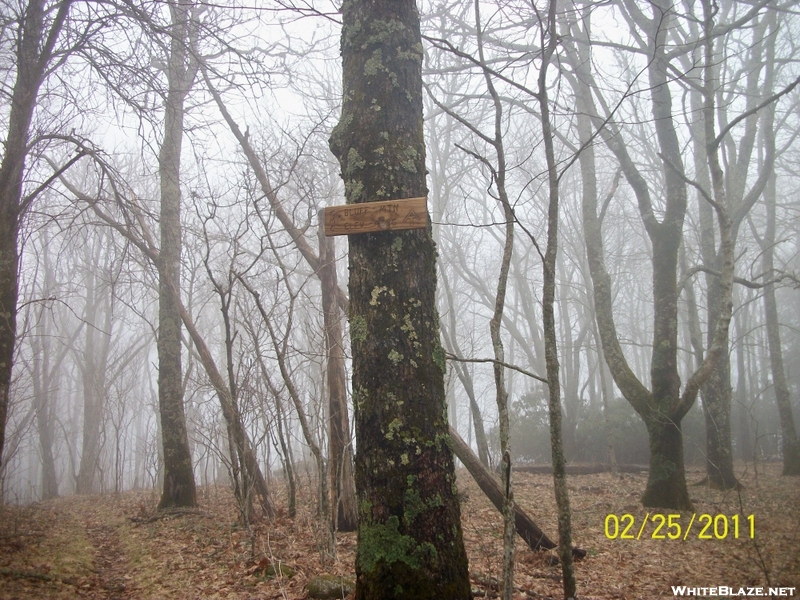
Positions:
{"x": 65, "y": 548}
{"x": 112, "y": 580}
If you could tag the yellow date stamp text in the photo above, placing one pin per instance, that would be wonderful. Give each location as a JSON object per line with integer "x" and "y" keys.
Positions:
{"x": 658, "y": 526}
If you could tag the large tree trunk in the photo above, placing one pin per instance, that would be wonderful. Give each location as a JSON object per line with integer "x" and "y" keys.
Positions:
{"x": 179, "y": 486}
{"x": 717, "y": 400}
{"x": 10, "y": 191}
{"x": 666, "y": 484}
{"x": 664, "y": 396}
{"x": 410, "y": 543}
{"x": 664, "y": 405}
{"x": 731, "y": 185}
{"x": 716, "y": 392}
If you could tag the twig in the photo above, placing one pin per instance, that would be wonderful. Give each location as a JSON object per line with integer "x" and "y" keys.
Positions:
{"x": 495, "y": 361}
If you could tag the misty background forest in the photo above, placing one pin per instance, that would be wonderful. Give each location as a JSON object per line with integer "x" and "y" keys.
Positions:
{"x": 167, "y": 295}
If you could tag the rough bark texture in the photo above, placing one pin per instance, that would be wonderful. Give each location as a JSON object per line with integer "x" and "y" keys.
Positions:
{"x": 410, "y": 543}
{"x": 717, "y": 400}
{"x": 340, "y": 465}
{"x": 179, "y": 486}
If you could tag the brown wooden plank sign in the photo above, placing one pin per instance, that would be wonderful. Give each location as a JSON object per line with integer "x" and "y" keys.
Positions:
{"x": 368, "y": 217}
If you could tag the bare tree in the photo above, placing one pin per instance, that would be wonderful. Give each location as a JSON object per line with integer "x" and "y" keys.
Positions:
{"x": 94, "y": 360}
{"x": 789, "y": 437}
{"x": 664, "y": 405}
{"x": 37, "y": 34}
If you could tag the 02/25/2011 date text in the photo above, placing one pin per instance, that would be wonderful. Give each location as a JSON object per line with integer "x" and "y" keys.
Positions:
{"x": 674, "y": 526}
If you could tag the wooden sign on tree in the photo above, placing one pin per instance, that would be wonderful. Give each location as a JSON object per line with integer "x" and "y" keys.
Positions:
{"x": 368, "y": 217}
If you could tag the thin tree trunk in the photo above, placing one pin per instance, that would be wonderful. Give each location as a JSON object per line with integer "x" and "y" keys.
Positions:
{"x": 607, "y": 393}
{"x": 288, "y": 460}
{"x": 465, "y": 377}
{"x": 44, "y": 398}
{"x": 45, "y": 376}
{"x": 790, "y": 443}
{"x": 229, "y": 410}
{"x": 789, "y": 439}
{"x": 344, "y": 511}
{"x": 313, "y": 443}
{"x": 549, "y": 42}
{"x": 179, "y": 485}
{"x": 95, "y": 364}
{"x": 742, "y": 412}
{"x": 501, "y": 392}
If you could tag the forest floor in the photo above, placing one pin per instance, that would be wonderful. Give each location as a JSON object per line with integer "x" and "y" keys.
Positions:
{"x": 117, "y": 547}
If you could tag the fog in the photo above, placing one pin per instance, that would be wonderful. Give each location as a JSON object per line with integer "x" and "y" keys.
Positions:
{"x": 83, "y": 395}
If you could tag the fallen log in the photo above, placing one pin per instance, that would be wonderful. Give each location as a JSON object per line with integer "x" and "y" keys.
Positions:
{"x": 37, "y": 576}
{"x": 490, "y": 485}
{"x": 582, "y": 469}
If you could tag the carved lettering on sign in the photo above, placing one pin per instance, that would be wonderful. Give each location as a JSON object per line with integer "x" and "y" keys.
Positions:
{"x": 387, "y": 215}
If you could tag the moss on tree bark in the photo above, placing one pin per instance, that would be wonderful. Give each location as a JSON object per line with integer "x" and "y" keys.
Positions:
{"x": 409, "y": 535}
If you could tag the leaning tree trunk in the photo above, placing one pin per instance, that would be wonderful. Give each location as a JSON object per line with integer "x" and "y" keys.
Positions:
{"x": 344, "y": 511}
{"x": 410, "y": 543}
{"x": 179, "y": 486}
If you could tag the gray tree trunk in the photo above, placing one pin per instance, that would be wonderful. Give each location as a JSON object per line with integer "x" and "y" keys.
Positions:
{"x": 97, "y": 345}
{"x": 179, "y": 485}
{"x": 789, "y": 439}
{"x": 549, "y": 43}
